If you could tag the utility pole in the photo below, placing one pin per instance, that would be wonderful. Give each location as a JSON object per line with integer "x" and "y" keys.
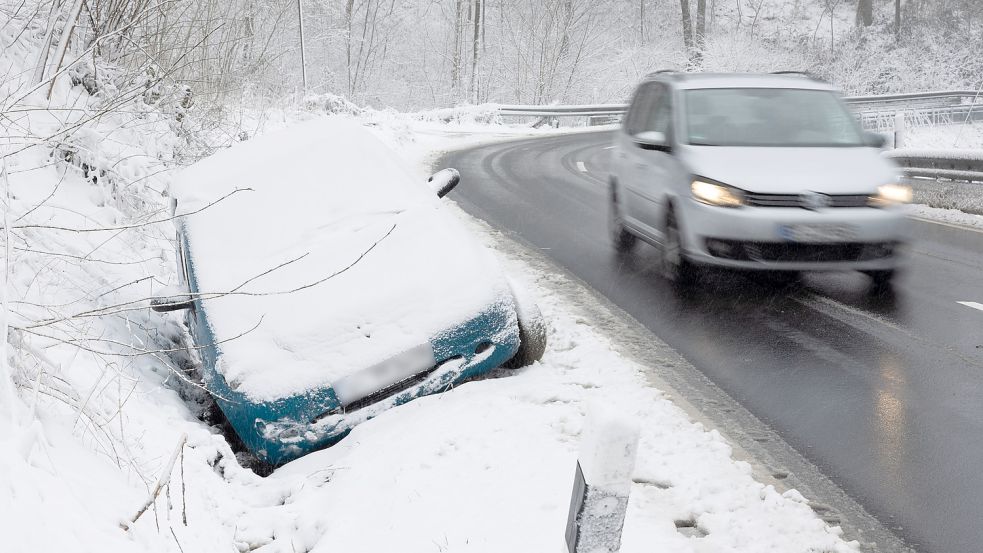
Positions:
{"x": 303, "y": 62}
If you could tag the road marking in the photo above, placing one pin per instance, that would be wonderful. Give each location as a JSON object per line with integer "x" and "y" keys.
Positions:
{"x": 581, "y": 166}
{"x": 608, "y": 148}
{"x": 972, "y": 304}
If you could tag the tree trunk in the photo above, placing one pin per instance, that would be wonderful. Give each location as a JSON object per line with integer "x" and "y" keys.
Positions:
{"x": 701, "y": 22}
{"x": 641, "y": 21}
{"x": 456, "y": 63}
{"x": 475, "y": 39}
{"x": 66, "y": 36}
{"x": 349, "y": 8}
{"x": 687, "y": 24}
{"x": 865, "y": 12}
{"x": 897, "y": 19}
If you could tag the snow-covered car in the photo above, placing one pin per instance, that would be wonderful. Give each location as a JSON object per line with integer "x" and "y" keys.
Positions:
{"x": 324, "y": 284}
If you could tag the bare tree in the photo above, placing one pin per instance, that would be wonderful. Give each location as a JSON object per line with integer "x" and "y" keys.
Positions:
{"x": 865, "y": 12}
{"x": 474, "y": 50}
{"x": 701, "y": 22}
{"x": 897, "y": 19}
{"x": 687, "y": 24}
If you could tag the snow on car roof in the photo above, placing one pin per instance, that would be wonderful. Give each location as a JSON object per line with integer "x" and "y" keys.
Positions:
{"x": 321, "y": 198}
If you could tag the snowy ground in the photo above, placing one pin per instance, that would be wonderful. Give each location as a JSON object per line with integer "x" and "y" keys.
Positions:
{"x": 100, "y": 404}
{"x": 487, "y": 466}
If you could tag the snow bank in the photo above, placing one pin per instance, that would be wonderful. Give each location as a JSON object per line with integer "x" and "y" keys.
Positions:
{"x": 937, "y": 154}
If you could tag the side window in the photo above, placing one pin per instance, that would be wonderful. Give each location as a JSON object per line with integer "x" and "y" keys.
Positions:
{"x": 660, "y": 112}
{"x": 641, "y": 108}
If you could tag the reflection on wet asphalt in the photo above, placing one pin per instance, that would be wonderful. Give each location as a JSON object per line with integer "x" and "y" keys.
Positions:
{"x": 882, "y": 391}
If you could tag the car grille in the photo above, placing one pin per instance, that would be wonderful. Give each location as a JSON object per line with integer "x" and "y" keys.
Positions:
{"x": 798, "y": 252}
{"x": 755, "y": 199}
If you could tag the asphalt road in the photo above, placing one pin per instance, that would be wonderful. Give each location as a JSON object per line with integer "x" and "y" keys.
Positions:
{"x": 882, "y": 392}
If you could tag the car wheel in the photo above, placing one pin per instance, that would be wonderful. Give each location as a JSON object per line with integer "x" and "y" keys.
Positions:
{"x": 621, "y": 237}
{"x": 783, "y": 278}
{"x": 881, "y": 279}
{"x": 675, "y": 266}
{"x": 532, "y": 333}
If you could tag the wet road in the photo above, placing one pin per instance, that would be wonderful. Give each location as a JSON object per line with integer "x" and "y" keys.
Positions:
{"x": 884, "y": 393}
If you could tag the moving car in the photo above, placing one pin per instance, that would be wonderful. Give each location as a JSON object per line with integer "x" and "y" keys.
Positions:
{"x": 323, "y": 284}
{"x": 748, "y": 171}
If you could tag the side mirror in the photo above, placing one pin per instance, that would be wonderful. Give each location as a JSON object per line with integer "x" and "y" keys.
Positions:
{"x": 652, "y": 140}
{"x": 444, "y": 181}
{"x": 172, "y": 300}
{"x": 874, "y": 140}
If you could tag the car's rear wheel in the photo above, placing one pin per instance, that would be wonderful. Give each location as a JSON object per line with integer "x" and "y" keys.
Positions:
{"x": 675, "y": 266}
{"x": 621, "y": 237}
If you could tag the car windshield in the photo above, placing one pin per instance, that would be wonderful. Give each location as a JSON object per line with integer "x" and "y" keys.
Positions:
{"x": 768, "y": 117}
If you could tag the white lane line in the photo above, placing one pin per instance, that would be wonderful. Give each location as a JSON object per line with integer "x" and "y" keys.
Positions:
{"x": 972, "y": 304}
{"x": 608, "y": 148}
{"x": 581, "y": 167}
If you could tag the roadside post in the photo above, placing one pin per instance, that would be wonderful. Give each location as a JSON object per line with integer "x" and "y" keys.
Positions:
{"x": 602, "y": 480}
{"x": 899, "y": 130}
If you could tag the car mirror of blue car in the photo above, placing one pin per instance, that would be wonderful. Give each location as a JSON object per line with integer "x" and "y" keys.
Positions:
{"x": 172, "y": 300}
{"x": 443, "y": 181}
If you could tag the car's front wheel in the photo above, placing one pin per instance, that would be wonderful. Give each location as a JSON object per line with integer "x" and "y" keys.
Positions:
{"x": 881, "y": 279}
{"x": 675, "y": 266}
{"x": 622, "y": 239}
{"x": 532, "y": 332}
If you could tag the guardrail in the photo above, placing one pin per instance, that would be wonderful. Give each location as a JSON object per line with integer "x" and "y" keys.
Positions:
{"x": 956, "y": 165}
{"x": 564, "y": 111}
{"x": 935, "y": 107}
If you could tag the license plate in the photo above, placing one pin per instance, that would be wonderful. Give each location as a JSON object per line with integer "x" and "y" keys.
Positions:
{"x": 816, "y": 233}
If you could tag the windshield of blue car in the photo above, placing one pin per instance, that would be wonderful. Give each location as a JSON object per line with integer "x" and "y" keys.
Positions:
{"x": 768, "y": 117}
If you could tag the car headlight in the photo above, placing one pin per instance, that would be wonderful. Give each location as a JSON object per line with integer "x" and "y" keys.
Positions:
{"x": 713, "y": 193}
{"x": 891, "y": 194}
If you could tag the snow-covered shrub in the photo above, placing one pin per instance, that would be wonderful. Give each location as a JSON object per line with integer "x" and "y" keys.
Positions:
{"x": 331, "y": 104}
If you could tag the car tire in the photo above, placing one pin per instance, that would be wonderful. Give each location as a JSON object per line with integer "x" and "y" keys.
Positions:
{"x": 532, "y": 333}
{"x": 783, "y": 278}
{"x": 675, "y": 266}
{"x": 881, "y": 279}
{"x": 621, "y": 237}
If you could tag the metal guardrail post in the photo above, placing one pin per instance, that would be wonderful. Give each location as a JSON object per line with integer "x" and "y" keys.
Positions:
{"x": 602, "y": 481}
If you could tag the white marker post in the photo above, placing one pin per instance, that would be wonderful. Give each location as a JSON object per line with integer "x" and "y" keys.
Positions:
{"x": 899, "y": 130}
{"x": 602, "y": 481}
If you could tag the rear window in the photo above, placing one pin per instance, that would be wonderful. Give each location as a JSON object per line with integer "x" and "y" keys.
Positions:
{"x": 768, "y": 117}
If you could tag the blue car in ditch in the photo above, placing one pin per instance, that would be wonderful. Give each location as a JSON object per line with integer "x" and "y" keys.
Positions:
{"x": 322, "y": 283}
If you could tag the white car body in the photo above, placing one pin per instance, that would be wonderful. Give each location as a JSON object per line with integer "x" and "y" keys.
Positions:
{"x": 803, "y": 207}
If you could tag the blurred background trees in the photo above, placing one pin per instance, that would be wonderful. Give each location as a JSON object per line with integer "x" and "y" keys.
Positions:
{"x": 413, "y": 54}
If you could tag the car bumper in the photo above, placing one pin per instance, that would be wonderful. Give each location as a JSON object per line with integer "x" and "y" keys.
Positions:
{"x": 464, "y": 351}
{"x": 757, "y": 238}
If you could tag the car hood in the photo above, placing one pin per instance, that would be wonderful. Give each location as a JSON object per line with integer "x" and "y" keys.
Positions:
{"x": 790, "y": 170}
